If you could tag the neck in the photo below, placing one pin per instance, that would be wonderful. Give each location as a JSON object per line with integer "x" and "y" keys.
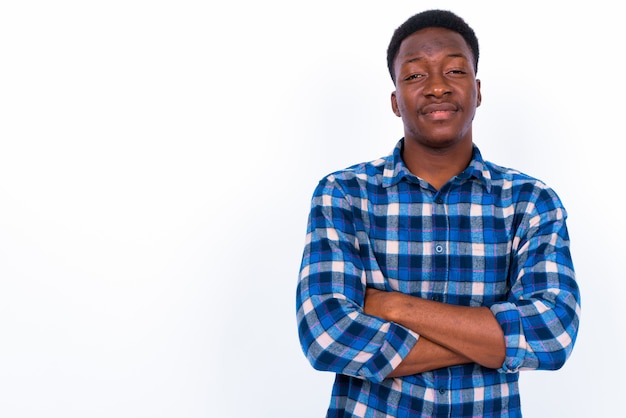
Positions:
{"x": 437, "y": 165}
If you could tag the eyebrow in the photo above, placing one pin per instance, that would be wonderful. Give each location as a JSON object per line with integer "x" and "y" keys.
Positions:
{"x": 453, "y": 55}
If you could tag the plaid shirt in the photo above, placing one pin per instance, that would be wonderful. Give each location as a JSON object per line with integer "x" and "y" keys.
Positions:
{"x": 490, "y": 237}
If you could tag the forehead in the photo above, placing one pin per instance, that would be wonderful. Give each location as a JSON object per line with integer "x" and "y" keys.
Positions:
{"x": 429, "y": 42}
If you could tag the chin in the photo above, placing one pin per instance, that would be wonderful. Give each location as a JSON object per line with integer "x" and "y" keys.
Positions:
{"x": 442, "y": 142}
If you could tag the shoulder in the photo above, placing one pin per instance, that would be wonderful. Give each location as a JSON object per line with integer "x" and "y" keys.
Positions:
{"x": 355, "y": 178}
{"x": 502, "y": 175}
{"x": 525, "y": 190}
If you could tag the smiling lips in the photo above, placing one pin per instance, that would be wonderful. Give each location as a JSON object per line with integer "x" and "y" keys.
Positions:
{"x": 439, "y": 111}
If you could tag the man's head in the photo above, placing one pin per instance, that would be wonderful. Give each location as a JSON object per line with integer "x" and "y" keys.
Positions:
{"x": 437, "y": 91}
{"x": 429, "y": 19}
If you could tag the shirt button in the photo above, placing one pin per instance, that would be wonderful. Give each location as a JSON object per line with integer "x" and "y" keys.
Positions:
{"x": 442, "y": 390}
{"x": 438, "y": 248}
{"x": 439, "y": 200}
{"x": 436, "y": 298}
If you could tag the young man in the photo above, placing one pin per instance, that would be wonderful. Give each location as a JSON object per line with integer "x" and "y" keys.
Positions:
{"x": 431, "y": 277}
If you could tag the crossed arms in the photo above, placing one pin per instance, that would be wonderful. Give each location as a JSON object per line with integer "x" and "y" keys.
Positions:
{"x": 348, "y": 327}
{"x": 449, "y": 334}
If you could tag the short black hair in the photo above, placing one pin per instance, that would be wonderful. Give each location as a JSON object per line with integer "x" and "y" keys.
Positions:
{"x": 429, "y": 19}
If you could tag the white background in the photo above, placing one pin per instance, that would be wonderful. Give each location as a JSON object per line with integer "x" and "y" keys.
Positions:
{"x": 156, "y": 164}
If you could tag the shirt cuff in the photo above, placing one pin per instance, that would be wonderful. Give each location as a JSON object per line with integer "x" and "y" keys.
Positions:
{"x": 397, "y": 345}
{"x": 510, "y": 320}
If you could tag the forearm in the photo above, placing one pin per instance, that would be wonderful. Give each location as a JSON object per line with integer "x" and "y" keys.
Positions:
{"x": 337, "y": 337}
{"x": 472, "y": 332}
{"x": 426, "y": 356}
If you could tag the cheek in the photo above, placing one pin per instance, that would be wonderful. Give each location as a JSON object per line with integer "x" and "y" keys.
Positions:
{"x": 402, "y": 106}
{"x": 475, "y": 99}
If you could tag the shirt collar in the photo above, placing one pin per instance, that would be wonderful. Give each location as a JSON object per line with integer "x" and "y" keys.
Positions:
{"x": 395, "y": 169}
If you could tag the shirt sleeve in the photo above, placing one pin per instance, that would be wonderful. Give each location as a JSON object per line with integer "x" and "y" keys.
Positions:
{"x": 540, "y": 318}
{"x": 335, "y": 334}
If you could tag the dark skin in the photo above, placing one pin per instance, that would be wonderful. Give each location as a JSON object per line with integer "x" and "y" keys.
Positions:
{"x": 436, "y": 96}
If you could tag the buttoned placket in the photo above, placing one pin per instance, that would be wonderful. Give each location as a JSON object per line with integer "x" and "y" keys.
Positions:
{"x": 440, "y": 225}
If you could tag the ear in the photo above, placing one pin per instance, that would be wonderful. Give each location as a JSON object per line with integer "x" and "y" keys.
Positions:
{"x": 479, "y": 96}
{"x": 394, "y": 104}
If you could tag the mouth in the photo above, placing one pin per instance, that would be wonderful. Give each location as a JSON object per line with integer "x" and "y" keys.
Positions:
{"x": 439, "y": 111}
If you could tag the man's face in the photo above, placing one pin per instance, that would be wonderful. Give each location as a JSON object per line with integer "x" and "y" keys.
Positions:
{"x": 437, "y": 92}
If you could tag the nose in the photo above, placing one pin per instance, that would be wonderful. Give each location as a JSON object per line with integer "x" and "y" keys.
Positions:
{"x": 436, "y": 85}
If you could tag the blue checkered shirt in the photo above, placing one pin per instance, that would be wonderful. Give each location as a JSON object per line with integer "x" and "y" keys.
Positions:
{"x": 491, "y": 236}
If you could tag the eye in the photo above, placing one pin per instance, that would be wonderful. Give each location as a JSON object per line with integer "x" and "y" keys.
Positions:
{"x": 414, "y": 77}
{"x": 457, "y": 72}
